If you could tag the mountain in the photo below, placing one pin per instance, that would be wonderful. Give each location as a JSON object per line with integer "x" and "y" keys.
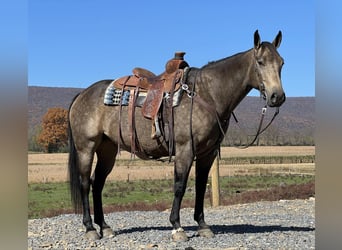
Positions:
{"x": 40, "y": 99}
{"x": 294, "y": 124}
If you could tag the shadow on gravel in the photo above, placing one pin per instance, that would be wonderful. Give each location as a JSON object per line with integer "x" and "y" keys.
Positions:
{"x": 246, "y": 228}
{"x": 224, "y": 229}
{"x": 143, "y": 229}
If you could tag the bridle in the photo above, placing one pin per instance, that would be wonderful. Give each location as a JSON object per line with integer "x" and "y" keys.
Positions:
{"x": 223, "y": 122}
{"x": 263, "y": 95}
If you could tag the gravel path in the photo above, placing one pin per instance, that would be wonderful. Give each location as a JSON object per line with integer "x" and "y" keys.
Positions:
{"x": 261, "y": 225}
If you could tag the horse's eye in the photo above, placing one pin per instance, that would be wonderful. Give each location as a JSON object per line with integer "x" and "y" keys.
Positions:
{"x": 261, "y": 62}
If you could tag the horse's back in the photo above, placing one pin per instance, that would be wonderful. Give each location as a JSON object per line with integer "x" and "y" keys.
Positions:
{"x": 91, "y": 120}
{"x": 93, "y": 95}
{"x": 87, "y": 111}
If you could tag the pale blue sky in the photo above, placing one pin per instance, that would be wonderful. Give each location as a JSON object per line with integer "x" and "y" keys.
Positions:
{"x": 76, "y": 43}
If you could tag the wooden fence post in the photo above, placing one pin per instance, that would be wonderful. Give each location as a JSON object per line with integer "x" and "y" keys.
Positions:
{"x": 215, "y": 183}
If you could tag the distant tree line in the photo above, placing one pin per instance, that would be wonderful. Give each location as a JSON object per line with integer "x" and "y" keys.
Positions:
{"x": 51, "y": 135}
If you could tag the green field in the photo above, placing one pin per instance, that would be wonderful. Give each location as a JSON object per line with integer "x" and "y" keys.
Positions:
{"x": 50, "y": 199}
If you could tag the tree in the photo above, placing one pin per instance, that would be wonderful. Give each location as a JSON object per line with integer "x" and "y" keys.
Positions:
{"x": 33, "y": 134}
{"x": 54, "y": 133}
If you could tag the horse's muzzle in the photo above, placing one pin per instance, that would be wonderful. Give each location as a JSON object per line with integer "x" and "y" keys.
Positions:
{"x": 276, "y": 100}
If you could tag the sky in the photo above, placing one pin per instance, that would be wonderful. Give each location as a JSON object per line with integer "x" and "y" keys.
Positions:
{"x": 76, "y": 43}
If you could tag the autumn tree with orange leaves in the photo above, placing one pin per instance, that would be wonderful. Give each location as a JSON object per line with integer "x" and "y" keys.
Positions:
{"x": 54, "y": 133}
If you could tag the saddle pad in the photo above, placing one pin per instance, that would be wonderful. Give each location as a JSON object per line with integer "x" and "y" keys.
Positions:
{"x": 112, "y": 97}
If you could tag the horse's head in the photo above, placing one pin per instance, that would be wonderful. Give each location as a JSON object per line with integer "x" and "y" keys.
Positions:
{"x": 268, "y": 65}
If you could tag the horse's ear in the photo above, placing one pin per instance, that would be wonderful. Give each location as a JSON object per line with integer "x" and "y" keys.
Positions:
{"x": 276, "y": 42}
{"x": 256, "y": 40}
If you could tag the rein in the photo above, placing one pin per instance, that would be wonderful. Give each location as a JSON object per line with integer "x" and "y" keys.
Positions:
{"x": 196, "y": 98}
{"x": 259, "y": 131}
{"x": 212, "y": 109}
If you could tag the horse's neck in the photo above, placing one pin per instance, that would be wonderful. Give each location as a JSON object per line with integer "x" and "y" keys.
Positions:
{"x": 228, "y": 81}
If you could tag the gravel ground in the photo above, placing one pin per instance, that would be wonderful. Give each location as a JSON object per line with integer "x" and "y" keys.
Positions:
{"x": 286, "y": 224}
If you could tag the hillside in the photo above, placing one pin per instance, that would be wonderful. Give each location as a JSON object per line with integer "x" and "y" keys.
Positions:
{"x": 42, "y": 98}
{"x": 295, "y": 122}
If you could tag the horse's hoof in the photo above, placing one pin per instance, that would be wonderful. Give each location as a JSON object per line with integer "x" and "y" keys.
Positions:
{"x": 179, "y": 235}
{"x": 108, "y": 233}
{"x": 206, "y": 232}
{"x": 92, "y": 235}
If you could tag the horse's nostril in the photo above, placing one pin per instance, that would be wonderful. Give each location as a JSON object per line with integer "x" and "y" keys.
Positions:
{"x": 274, "y": 97}
{"x": 277, "y": 100}
{"x": 283, "y": 98}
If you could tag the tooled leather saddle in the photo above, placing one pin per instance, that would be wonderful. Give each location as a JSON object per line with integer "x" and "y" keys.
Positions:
{"x": 146, "y": 90}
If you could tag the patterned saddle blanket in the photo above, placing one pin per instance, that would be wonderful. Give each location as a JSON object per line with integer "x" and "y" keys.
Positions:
{"x": 114, "y": 96}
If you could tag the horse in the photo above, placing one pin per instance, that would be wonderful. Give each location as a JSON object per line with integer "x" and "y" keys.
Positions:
{"x": 200, "y": 120}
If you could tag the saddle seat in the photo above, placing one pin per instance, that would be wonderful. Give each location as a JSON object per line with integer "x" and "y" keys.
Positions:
{"x": 145, "y": 79}
{"x": 141, "y": 72}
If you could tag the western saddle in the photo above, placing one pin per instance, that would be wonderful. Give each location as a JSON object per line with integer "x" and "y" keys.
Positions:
{"x": 155, "y": 87}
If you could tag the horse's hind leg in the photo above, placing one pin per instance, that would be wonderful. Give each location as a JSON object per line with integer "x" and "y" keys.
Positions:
{"x": 85, "y": 159}
{"x": 106, "y": 154}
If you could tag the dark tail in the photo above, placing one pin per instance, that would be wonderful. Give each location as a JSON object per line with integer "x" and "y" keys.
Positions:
{"x": 74, "y": 175}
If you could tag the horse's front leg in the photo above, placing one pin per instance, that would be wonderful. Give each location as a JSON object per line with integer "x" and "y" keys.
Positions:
{"x": 181, "y": 173}
{"x": 203, "y": 166}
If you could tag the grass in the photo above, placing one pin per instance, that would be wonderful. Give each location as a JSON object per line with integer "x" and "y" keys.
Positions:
{"x": 45, "y": 198}
{"x": 282, "y": 159}
{"x": 50, "y": 199}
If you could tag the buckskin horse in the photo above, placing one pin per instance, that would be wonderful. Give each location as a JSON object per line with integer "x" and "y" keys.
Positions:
{"x": 209, "y": 96}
